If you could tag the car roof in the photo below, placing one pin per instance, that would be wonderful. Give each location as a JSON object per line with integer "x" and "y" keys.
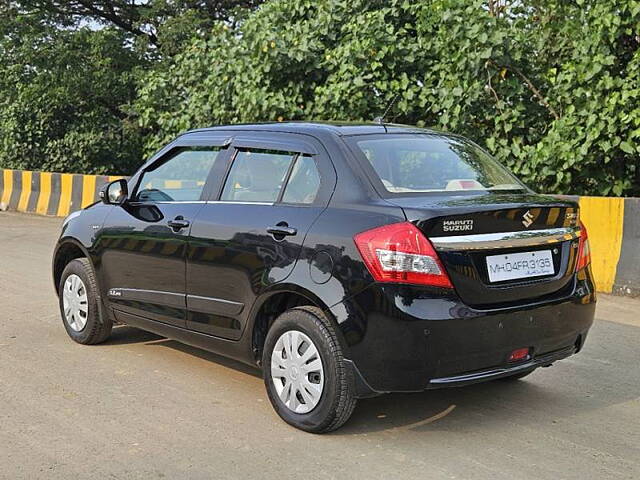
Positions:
{"x": 338, "y": 128}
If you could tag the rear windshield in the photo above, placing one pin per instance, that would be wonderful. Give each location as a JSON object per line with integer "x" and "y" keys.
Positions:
{"x": 414, "y": 163}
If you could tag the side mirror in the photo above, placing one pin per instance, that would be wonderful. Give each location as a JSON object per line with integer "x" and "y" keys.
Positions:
{"x": 115, "y": 193}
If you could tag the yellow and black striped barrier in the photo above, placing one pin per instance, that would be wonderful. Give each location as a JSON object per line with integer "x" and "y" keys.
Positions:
{"x": 45, "y": 193}
{"x": 613, "y": 223}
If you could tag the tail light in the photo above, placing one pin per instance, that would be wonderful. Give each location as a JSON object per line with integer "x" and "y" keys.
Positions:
{"x": 400, "y": 253}
{"x": 584, "y": 252}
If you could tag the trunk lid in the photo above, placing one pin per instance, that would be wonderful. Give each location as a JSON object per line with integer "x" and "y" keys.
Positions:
{"x": 492, "y": 245}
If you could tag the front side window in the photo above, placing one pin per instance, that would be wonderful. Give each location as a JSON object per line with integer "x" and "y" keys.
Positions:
{"x": 257, "y": 176}
{"x": 181, "y": 178}
{"x": 419, "y": 163}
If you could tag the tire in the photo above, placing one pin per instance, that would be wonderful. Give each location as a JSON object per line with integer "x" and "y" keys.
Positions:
{"x": 517, "y": 376}
{"x": 87, "y": 328}
{"x": 337, "y": 400}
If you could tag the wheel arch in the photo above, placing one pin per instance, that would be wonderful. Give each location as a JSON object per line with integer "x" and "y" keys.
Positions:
{"x": 276, "y": 301}
{"x": 68, "y": 249}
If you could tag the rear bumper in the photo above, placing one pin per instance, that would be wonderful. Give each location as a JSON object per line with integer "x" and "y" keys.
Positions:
{"x": 502, "y": 372}
{"x": 403, "y": 338}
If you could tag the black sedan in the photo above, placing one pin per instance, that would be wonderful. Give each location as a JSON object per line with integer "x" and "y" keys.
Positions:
{"x": 344, "y": 260}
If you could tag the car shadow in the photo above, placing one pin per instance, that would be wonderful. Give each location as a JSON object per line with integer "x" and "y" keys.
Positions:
{"x": 211, "y": 357}
{"x": 481, "y": 406}
{"x": 126, "y": 335}
{"x": 568, "y": 389}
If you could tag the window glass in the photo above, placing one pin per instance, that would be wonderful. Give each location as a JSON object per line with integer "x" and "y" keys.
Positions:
{"x": 181, "y": 178}
{"x": 427, "y": 163}
{"x": 257, "y": 176}
{"x": 304, "y": 182}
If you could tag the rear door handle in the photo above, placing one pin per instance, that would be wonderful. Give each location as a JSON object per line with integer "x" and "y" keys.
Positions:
{"x": 178, "y": 223}
{"x": 282, "y": 231}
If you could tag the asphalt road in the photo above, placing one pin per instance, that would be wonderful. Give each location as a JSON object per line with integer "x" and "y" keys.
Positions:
{"x": 141, "y": 406}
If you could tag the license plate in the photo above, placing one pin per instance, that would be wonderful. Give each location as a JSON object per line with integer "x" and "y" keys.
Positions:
{"x": 519, "y": 265}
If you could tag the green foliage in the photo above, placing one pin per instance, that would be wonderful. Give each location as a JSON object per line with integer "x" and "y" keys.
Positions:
{"x": 68, "y": 76}
{"x": 549, "y": 87}
{"x": 153, "y": 25}
{"x": 62, "y": 97}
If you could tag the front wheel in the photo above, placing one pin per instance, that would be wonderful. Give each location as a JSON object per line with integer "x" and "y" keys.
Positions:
{"x": 79, "y": 304}
{"x": 305, "y": 373}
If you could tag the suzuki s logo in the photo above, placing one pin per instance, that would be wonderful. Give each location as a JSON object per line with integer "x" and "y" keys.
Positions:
{"x": 527, "y": 219}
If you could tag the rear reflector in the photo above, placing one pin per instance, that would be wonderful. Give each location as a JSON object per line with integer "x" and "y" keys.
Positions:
{"x": 400, "y": 253}
{"x": 519, "y": 355}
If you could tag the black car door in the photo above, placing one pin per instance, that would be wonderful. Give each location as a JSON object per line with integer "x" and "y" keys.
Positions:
{"x": 143, "y": 244}
{"x": 250, "y": 234}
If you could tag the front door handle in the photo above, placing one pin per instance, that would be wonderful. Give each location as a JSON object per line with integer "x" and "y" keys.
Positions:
{"x": 178, "y": 223}
{"x": 282, "y": 230}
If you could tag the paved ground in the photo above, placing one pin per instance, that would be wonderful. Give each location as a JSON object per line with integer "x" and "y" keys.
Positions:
{"x": 145, "y": 407}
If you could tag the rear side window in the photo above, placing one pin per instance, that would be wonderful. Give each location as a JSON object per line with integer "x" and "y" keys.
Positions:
{"x": 303, "y": 183}
{"x": 429, "y": 163}
{"x": 257, "y": 176}
{"x": 181, "y": 178}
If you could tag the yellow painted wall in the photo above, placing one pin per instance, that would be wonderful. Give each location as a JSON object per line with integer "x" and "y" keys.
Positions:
{"x": 604, "y": 219}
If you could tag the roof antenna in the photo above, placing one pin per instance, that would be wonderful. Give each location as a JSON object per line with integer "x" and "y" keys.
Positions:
{"x": 380, "y": 120}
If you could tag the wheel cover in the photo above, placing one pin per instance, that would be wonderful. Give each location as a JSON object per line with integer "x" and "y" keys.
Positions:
{"x": 74, "y": 302}
{"x": 297, "y": 372}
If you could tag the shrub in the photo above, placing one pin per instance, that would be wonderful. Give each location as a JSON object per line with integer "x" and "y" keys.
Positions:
{"x": 549, "y": 87}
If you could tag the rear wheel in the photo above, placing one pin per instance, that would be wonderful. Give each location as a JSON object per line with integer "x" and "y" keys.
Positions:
{"x": 79, "y": 304}
{"x": 304, "y": 371}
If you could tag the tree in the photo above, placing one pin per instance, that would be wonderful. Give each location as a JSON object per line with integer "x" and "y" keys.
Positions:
{"x": 69, "y": 71}
{"x": 549, "y": 87}
{"x": 156, "y": 22}
{"x": 63, "y": 97}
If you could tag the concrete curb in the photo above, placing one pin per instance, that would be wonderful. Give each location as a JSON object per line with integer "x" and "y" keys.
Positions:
{"x": 613, "y": 223}
{"x": 45, "y": 193}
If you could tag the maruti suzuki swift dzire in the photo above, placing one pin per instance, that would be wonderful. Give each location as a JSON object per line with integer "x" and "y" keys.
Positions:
{"x": 344, "y": 260}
